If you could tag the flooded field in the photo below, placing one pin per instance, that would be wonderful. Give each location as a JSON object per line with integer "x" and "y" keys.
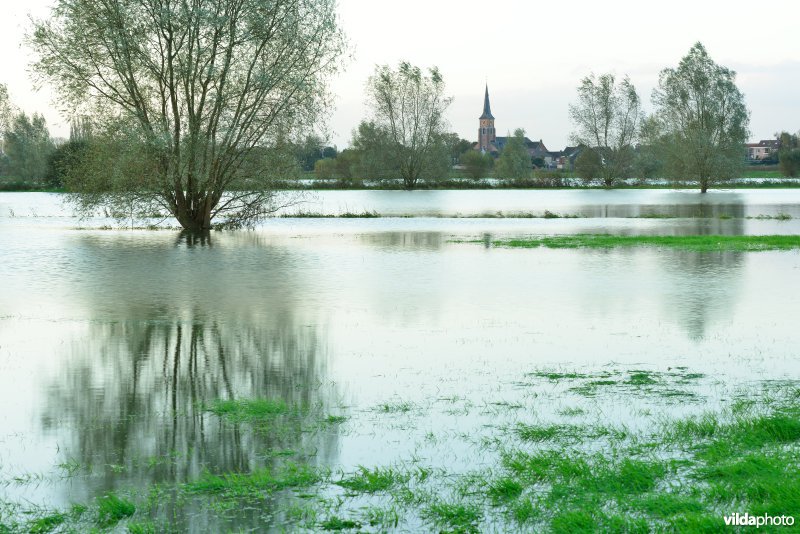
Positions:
{"x": 399, "y": 373}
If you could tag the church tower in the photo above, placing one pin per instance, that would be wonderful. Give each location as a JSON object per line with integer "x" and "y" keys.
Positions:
{"x": 486, "y": 135}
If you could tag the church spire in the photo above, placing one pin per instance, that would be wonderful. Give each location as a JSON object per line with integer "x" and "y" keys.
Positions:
{"x": 487, "y": 109}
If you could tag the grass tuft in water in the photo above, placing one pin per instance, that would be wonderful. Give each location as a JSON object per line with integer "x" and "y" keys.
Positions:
{"x": 641, "y": 378}
{"x": 143, "y": 527}
{"x": 289, "y": 475}
{"x": 524, "y": 510}
{"x": 248, "y": 410}
{"x": 666, "y": 505}
{"x": 556, "y": 376}
{"x": 112, "y": 509}
{"x": 458, "y": 517}
{"x": 335, "y": 419}
{"x": 505, "y": 489}
{"x": 588, "y": 521}
{"x": 344, "y": 215}
{"x": 563, "y": 433}
{"x": 396, "y": 407}
{"x": 45, "y": 524}
{"x": 335, "y": 524}
{"x": 373, "y": 480}
{"x": 388, "y": 518}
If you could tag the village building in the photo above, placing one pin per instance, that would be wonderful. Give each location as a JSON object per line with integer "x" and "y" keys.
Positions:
{"x": 490, "y": 143}
{"x": 763, "y": 149}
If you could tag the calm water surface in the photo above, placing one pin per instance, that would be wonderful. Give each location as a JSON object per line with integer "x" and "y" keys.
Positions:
{"x": 111, "y": 341}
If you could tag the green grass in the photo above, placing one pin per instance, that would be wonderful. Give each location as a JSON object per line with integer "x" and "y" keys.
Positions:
{"x": 742, "y": 457}
{"x": 641, "y": 378}
{"x": 143, "y": 527}
{"x": 112, "y": 509}
{"x": 396, "y": 407}
{"x": 248, "y": 410}
{"x": 589, "y": 521}
{"x": 778, "y": 217}
{"x": 46, "y": 523}
{"x": 572, "y": 411}
{"x": 345, "y": 215}
{"x": 666, "y": 505}
{"x": 536, "y": 433}
{"x": 762, "y": 173}
{"x": 698, "y": 243}
{"x": 288, "y": 476}
{"x": 373, "y": 480}
{"x": 556, "y": 376}
{"x": 505, "y": 489}
{"x": 524, "y": 510}
{"x": 335, "y": 419}
{"x": 455, "y": 516}
{"x": 562, "y": 433}
{"x": 554, "y": 475}
{"x": 335, "y": 524}
{"x": 649, "y": 383}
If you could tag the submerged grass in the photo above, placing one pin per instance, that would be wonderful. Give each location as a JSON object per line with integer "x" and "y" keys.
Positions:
{"x": 288, "y": 476}
{"x": 373, "y": 480}
{"x": 554, "y": 475}
{"x": 248, "y": 410}
{"x": 46, "y": 523}
{"x": 335, "y": 523}
{"x": 319, "y": 215}
{"x": 641, "y": 382}
{"x": 454, "y": 516}
{"x": 111, "y": 509}
{"x": 697, "y": 243}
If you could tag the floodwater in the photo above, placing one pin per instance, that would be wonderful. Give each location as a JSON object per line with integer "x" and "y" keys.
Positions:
{"x": 113, "y": 341}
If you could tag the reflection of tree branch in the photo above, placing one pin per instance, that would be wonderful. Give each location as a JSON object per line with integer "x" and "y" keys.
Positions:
{"x": 156, "y": 374}
{"x": 223, "y": 363}
{"x": 713, "y": 280}
{"x": 200, "y": 363}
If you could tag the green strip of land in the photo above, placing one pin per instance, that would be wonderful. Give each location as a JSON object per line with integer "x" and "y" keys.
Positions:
{"x": 699, "y": 243}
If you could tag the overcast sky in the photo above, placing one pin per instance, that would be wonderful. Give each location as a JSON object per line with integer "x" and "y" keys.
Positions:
{"x": 533, "y": 55}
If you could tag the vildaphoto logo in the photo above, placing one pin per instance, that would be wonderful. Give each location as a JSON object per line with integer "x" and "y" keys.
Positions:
{"x": 747, "y": 520}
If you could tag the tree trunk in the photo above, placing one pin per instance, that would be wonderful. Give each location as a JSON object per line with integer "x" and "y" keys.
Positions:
{"x": 197, "y": 221}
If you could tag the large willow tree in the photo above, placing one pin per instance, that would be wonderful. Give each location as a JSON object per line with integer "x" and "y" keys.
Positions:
{"x": 409, "y": 113}
{"x": 701, "y": 120}
{"x": 607, "y": 118}
{"x": 189, "y": 94}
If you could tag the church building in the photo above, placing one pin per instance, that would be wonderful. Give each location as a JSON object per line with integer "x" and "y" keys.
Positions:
{"x": 489, "y": 143}
{"x": 486, "y": 133}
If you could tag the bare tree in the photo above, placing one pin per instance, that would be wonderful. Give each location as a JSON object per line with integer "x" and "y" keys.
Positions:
{"x": 607, "y": 118}
{"x": 191, "y": 90}
{"x": 410, "y": 108}
{"x": 702, "y": 120}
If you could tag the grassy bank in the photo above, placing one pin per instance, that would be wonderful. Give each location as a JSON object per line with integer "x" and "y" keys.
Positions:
{"x": 697, "y": 243}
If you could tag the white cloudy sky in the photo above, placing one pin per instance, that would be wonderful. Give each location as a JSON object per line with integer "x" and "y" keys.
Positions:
{"x": 532, "y": 53}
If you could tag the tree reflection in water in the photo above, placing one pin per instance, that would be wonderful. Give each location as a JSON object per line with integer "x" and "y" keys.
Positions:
{"x": 707, "y": 283}
{"x": 129, "y": 403}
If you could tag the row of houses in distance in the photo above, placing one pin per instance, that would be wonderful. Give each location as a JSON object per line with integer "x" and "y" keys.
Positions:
{"x": 490, "y": 143}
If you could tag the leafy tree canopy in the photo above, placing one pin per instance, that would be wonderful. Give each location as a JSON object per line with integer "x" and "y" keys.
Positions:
{"x": 702, "y": 120}
{"x": 192, "y": 92}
